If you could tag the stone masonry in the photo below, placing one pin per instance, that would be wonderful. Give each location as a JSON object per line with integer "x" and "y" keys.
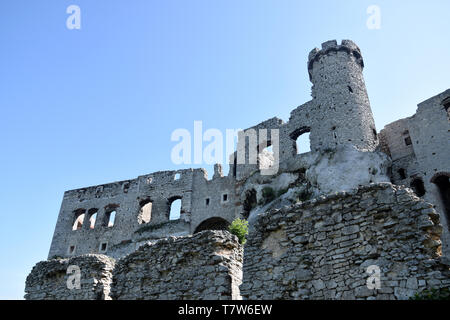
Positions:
{"x": 321, "y": 249}
{"x": 207, "y": 265}
{"x": 49, "y": 279}
{"x": 419, "y": 148}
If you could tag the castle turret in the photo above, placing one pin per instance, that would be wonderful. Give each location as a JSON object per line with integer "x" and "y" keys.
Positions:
{"x": 340, "y": 97}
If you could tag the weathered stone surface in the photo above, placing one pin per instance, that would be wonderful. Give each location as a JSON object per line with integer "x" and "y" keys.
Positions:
{"x": 207, "y": 265}
{"x": 338, "y": 269}
{"x": 419, "y": 148}
{"x": 49, "y": 279}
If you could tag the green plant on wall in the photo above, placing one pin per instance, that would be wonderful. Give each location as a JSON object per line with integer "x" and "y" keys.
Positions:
{"x": 239, "y": 227}
{"x": 432, "y": 294}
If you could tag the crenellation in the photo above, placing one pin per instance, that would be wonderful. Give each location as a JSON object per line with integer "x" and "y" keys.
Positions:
{"x": 330, "y": 47}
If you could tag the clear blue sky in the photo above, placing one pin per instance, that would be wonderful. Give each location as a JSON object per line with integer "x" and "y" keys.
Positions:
{"x": 96, "y": 105}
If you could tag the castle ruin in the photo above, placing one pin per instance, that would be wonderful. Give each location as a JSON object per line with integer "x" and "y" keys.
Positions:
{"x": 354, "y": 196}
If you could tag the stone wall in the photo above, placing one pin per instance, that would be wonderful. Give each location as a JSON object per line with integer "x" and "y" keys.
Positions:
{"x": 419, "y": 147}
{"x": 321, "y": 249}
{"x": 49, "y": 279}
{"x": 207, "y": 265}
{"x": 127, "y": 198}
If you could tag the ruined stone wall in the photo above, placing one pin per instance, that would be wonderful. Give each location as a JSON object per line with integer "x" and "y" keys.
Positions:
{"x": 206, "y": 265}
{"x": 338, "y": 115}
{"x": 251, "y": 144}
{"x": 49, "y": 279}
{"x": 213, "y": 200}
{"x": 321, "y": 249}
{"x": 419, "y": 145}
{"x": 126, "y": 198}
{"x": 394, "y": 136}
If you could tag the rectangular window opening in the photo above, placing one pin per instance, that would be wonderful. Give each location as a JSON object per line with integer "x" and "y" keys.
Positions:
{"x": 408, "y": 141}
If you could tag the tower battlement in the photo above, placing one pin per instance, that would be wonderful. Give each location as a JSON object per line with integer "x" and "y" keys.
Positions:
{"x": 331, "y": 46}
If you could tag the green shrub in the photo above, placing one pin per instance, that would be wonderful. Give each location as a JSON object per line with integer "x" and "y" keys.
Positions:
{"x": 432, "y": 294}
{"x": 239, "y": 227}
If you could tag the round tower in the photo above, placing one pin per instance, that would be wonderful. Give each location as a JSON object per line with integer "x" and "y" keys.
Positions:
{"x": 340, "y": 98}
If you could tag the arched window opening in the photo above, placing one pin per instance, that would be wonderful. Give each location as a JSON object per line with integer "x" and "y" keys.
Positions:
{"x": 215, "y": 223}
{"x": 92, "y": 217}
{"x": 443, "y": 183}
{"x": 418, "y": 187}
{"x": 78, "y": 220}
{"x": 175, "y": 209}
{"x": 250, "y": 202}
{"x": 302, "y": 142}
{"x": 145, "y": 212}
{"x": 110, "y": 218}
